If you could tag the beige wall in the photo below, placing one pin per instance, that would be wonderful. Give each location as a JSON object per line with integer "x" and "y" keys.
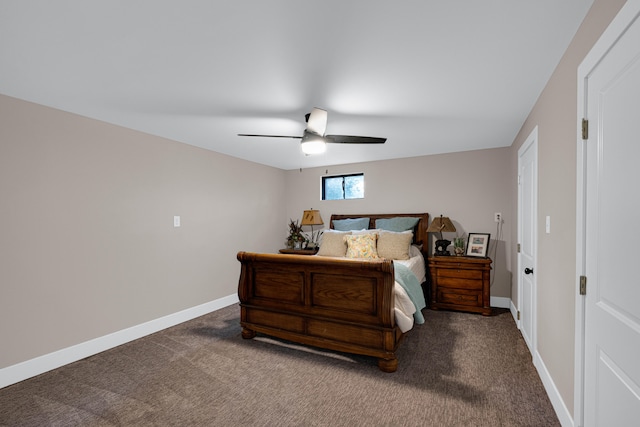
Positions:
{"x": 87, "y": 243}
{"x": 468, "y": 187}
{"x": 555, "y": 115}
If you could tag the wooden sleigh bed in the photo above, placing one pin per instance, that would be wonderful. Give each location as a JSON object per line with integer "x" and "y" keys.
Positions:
{"x": 333, "y": 303}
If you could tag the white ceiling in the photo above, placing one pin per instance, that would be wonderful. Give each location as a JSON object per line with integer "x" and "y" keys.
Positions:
{"x": 431, "y": 76}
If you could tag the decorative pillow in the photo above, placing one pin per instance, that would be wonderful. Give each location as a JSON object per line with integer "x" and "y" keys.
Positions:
{"x": 399, "y": 223}
{"x": 393, "y": 245}
{"x": 333, "y": 243}
{"x": 351, "y": 224}
{"x": 362, "y": 246}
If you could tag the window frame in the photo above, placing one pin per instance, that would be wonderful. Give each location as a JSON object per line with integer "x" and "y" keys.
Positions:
{"x": 323, "y": 192}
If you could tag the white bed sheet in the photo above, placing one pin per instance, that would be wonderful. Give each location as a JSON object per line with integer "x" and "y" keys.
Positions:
{"x": 403, "y": 307}
{"x": 415, "y": 263}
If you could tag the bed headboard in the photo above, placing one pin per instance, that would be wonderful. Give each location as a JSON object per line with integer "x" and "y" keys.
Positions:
{"x": 420, "y": 236}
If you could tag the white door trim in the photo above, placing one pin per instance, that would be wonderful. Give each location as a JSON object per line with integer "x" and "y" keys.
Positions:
{"x": 530, "y": 143}
{"x": 614, "y": 31}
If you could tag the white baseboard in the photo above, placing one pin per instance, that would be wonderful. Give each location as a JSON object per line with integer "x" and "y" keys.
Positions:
{"x": 564, "y": 416}
{"x": 36, "y": 366}
{"x": 500, "y": 302}
{"x": 514, "y": 313}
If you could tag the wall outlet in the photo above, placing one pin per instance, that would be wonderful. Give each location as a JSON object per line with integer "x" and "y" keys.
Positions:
{"x": 497, "y": 217}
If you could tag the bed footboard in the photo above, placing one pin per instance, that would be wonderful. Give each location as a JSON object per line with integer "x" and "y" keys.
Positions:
{"x": 337, "y": 304}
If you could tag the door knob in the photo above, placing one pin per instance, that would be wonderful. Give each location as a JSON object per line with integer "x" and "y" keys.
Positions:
{"x": 528, "y": 270}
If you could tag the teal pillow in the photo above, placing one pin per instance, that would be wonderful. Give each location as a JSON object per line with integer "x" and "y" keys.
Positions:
{"x": 350, "y": 224}
{"x": 399, "y": 223}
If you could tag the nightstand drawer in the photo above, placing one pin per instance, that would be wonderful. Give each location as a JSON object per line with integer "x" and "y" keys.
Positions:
{"x": 455, "y": 282}
{"x": 459, "y": 273}
{"x": 459, "y": 297}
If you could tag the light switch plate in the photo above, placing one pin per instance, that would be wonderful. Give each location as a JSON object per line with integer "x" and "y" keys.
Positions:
{"x": 176, "y": 221}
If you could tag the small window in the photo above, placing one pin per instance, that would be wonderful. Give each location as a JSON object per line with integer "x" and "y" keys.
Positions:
{"x": 340, "y": 187}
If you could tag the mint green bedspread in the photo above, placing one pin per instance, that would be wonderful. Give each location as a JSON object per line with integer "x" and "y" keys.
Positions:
{"x": 409, "y": 282}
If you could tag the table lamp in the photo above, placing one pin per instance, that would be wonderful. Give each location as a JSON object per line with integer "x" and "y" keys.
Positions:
{"x": 439, "y": 225}
{"x": 312, "y": 217}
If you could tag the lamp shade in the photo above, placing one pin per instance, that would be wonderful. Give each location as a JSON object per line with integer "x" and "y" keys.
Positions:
{"x": 311, "y": 217}
{"x": 441, "y": 224}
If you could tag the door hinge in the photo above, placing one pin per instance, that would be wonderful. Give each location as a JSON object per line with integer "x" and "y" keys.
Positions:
{"x": 518, "y": 314}
{"x": 585, "y": 129}
{"x": 518, "y": 247}
{"x": 583, "y": 285}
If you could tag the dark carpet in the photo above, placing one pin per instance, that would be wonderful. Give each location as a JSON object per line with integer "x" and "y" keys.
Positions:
{"x": 457, "y": 369}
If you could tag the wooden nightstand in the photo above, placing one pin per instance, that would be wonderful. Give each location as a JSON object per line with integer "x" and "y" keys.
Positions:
{"x": 460, "y": 283}
{"x": 299, "y": 251}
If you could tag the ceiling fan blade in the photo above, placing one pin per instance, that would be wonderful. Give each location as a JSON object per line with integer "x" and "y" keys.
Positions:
{"x": 270, "y": 136}
{"x": 349, "y": 139}
{"x": 317, "y": 122}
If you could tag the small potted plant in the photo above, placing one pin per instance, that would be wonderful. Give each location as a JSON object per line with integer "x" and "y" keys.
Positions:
{"x": 458, "y": 246}
{"x": 296, "y": 238}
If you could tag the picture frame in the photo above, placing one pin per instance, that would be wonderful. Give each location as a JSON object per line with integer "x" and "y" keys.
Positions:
{"x": 478, "y": 244}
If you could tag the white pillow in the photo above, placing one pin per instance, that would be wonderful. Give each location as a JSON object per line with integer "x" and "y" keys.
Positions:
{"x": 415, "y": 250}
{"x": 366, "y": 231}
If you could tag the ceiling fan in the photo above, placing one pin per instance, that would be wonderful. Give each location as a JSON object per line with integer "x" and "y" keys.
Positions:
{"x": 313, "y": 139}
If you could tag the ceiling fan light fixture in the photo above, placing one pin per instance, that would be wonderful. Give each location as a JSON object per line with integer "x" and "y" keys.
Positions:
{"x": 312, "y": 144}
{"x": 314, "y": 140}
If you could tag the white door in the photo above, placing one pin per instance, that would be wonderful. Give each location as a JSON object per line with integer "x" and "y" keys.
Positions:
{"x": 612, "y": 233}
{"x": 527, "y": 216}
